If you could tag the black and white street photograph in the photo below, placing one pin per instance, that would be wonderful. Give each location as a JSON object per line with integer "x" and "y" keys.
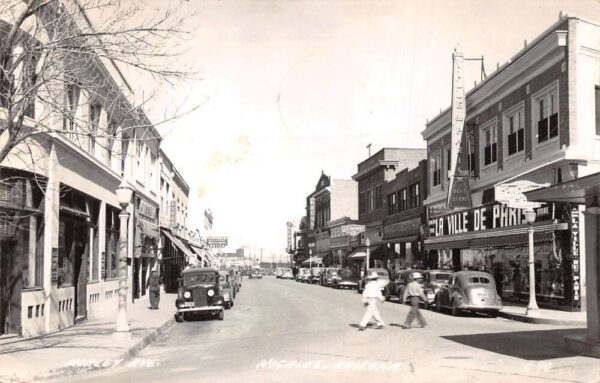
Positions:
{"x": 299, "y": 191}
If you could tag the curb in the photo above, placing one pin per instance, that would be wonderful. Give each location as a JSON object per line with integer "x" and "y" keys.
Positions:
{"x": 72, "y": 370}
{"x": 526, "y": 319}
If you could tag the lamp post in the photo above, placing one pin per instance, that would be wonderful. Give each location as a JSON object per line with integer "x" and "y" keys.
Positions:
{"x": 310, "y": 260}
{"x": 368, "y": 243}
{"x": 124, "y": 194}
{"x": 532, "y": 307}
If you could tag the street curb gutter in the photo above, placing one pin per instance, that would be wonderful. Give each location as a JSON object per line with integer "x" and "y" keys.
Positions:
{"x": 125, "y": 356}
{"x": 526, "y": 319}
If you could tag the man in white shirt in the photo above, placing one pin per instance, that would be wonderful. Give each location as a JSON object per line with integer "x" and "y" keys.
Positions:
{"x": 414, "y": 292}
{"x": 371, "y": 297}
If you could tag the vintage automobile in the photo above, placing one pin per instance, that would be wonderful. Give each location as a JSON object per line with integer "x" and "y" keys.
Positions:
{"x": 346, "y": 278}
{"x": 383, "y": 279}
{"x": 329, "y": 275}
{"x": 287, "y": 274}
{"x": 315, "y": 275}
{"x": 199, "y": 292}
{"x": 398, "y": 285}
{"x": 433, "y": 280}
{"x": 303, "y": 275}
{"x": 278, "y": 273}
{"x": 255, "y": 274}
{"x": 227, "y": 287}
{"x": 469, "y": 291}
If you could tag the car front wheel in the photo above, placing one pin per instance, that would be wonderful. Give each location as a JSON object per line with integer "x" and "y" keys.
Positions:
{"x": 179, "y": 317}
{"x": 455, "y": 309}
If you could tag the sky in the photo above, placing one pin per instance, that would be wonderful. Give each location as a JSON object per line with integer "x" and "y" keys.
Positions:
{"x": 289, "y": 89}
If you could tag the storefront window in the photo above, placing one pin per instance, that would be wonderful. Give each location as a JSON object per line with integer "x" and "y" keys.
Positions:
{"x": 112, "y": 240}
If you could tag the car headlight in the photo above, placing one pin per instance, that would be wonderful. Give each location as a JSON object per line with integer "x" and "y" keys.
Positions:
{"x": 211, "y": 292}
{"x": 187, "y": 295}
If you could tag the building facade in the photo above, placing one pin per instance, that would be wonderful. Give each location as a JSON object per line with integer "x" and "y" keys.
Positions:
{"x": 534, "y": 119}
{"x": 372, "y": 176}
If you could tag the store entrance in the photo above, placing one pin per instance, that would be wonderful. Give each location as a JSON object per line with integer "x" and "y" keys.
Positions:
{"x": 10, "y": 286}
{"x": 81, "y": 273}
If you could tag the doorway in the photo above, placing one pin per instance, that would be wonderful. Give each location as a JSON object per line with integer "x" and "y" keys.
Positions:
{"x": 10, "y": 289}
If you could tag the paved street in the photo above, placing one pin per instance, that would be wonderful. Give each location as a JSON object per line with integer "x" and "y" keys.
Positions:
{"x": 280, "y": 330}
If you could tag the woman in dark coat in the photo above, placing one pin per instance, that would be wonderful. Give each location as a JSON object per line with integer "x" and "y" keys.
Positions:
{"x": 154, "y": 290}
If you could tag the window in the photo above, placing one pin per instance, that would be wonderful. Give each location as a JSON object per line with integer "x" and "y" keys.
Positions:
{"x": 546, "y": 109}
{"x": 72, "y": 92}
{"x": 415, "y": 197}
{"x": 152, "y": 172}
{"x": 378, "y": 197}
{"x": 470, "y": 146}
{"x": 436, "y": 169}
{"x": 95, "y": 111}
{"x": 391, "y": 201}
{"x": 448, "y": 160}
{"x": 490, "y": 145}
{"x": 362, "y": 207}
{"x": 93, "y": 211}
{"x": 111, "y": 268}
{"x": 112, "y": 138}
{"x": 516, "y": 131}
{"x": 402, "y": 200}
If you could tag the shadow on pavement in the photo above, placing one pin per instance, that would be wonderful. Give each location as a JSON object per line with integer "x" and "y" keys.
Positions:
{"x": 528, "y": 345}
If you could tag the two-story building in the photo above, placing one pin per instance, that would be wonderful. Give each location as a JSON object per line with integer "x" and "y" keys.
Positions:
{"x": 332, "y": 201}
{"x": 534, "y": 119}
{"x": 60, "y": 225}
{"x": 372, "y": 176}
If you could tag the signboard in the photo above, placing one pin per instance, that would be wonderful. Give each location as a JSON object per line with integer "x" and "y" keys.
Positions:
{"x": 459, "y": 193}
{"x": 290, "y": 242}
{"x": 353, "y": 230}
{"x": 512, "y": 194}
{"x": 173, "y": 213}
{"x": 208, "y": 219}
{"x": 311, "y": 245}
{"x": 312, "y": 212}
{"x": 147, "y": 210}
{"x": 575, "y": 249}
{"x": 216, "y": 242}
{"x": 401, "y": 229}
{"x": 484, "y": 217}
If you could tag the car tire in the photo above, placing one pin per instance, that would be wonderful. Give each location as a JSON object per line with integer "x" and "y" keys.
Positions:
{"x": 455, "y": 309}
{"x": 387, "y": 296}
{"x": 221, "y": 315}
{"x": 227, "y": 305}
{"x": 179, "y": 318}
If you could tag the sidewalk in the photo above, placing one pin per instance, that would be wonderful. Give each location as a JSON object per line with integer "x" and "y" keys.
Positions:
{"x": 86, "y": 346}
{"x": 554, "y": 317}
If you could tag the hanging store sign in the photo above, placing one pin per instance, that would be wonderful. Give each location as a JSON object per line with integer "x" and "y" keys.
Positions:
{"x": 404, "y": 228}
{"x": 353, "y": 230}
{"x": 147, "y": 210}
{"x": 216, "y": 242}
{"x": 512, "y": 194}
{"x": 575, "y": 249}
{"x": 484, "y": 217}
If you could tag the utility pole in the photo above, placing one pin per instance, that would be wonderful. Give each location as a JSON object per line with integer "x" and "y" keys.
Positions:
{"x": 261, "y": 256}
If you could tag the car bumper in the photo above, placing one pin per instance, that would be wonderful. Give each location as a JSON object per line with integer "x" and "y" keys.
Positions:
{"x": 191, "y": 309}
{"x": 480, "y": 308}
{"x": 349, "y": 284}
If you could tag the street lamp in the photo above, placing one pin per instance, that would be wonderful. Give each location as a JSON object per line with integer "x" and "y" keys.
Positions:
{"x": 368, "y": 243}
{"x": 532, "y": 307}
{"x": 124, "y": 194}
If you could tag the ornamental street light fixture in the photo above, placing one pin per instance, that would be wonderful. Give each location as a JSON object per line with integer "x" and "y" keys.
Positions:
{"x": 532, "y": 307}
{"x": 124, "y": 194}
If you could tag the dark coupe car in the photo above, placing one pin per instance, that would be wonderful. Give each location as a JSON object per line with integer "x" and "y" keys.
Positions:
{"x": 199, "y": 292}
{"x": 471, "y": 291}
{"x": 346, "y": 278}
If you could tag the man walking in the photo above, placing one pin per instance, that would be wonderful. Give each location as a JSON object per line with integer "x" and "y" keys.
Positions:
{"x": 154, "y": 290}
{"x": 371, "y": 297}
{"x": 414, "y": 292}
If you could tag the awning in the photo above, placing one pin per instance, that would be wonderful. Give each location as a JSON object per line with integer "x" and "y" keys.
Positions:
{"x": 147, "y": 228}
{"x": 519, "y": 240}
{"x": 463, "y": 241}
{"x": 315, "y": 260}
{"x": 361, "y": 252}
{"x": 406, "y": 238}
{"x": 574, "y": 191}
{"x": 177, "y": 243}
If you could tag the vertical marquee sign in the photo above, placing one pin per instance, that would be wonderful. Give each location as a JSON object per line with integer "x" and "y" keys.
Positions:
{"x": 459, "y": 193}
{"x": 576, "y": 259}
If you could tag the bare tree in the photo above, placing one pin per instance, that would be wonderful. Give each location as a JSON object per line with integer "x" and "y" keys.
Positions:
{"x": 59, "y": 72}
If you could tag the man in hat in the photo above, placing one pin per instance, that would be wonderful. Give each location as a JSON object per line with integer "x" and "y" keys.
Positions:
{"x": 371, "y": 296}
{"x": 414, "y": 292}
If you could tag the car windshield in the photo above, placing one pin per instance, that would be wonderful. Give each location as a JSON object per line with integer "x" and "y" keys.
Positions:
{"x": 483, "y": 280}
{"x": 346, "y": 273}
{"x": 190, "y": 279}
{"x": 333, "y": 272}
{"x": 441, "y": 277}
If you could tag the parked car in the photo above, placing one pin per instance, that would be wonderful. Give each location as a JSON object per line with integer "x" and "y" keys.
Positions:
{"x": 287, "y": 274}
{"x": 315, "y": 275}
{"x": 470, "y": 291}
{"x": 398, "y": 285}
{"x": 329, "y": 276}
{"x": 346, "y": 278}
{"x": 199, "y": 292}
{"x": 255, "y": 274}
{"x": 278, "y": 272}
{"x": 433, "y": 282}
{"x": 303, "y": 274}
{"x": 227, "y": 288}
{"x": 383, "y": 280}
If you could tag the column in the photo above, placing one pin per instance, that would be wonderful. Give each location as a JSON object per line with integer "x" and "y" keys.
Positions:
{"x": 51, "y": 222}
{"x": 592, "y": 276}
